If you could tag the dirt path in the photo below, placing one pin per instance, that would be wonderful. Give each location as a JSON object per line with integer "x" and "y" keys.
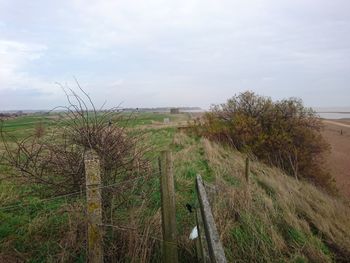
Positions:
{"x": 338, "y": 136}
{"x": 337, "y": 123}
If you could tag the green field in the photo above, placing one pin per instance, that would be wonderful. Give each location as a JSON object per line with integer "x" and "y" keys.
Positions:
{"x": 274, "y": 219}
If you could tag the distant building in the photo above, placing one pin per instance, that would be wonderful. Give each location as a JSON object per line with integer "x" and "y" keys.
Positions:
{"x": 174, "y": 111}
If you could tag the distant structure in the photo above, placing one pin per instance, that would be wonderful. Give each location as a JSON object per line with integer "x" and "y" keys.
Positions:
{"x": 9, "y": 115}
{"x": 174, "y": 111}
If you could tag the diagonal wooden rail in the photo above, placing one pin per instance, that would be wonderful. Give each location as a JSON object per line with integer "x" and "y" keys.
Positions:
{"x": 215, "y": 249}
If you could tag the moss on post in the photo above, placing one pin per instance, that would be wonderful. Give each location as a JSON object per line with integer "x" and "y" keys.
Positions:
{"x": 94, "y": 206}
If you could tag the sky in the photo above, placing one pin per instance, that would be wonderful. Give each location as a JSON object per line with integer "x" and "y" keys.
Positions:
{"x": 173, "y": 53}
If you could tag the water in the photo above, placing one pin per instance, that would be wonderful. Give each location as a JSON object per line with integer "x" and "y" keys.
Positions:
{"x": 326, "y": 113}
{"x": 333, "y": 112}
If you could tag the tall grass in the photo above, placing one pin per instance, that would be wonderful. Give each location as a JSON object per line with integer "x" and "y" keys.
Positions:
{"x": 273, "y": 219}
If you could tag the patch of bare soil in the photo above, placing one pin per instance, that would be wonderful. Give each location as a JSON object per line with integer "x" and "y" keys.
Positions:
{"x": 337, "y": 133}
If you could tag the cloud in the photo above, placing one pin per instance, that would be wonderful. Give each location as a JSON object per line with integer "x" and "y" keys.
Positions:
{"x": 158, "y": 52}
{"x": 14, "y": 57}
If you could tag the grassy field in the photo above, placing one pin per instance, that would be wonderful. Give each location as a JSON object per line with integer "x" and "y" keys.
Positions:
{"x": 273, "y": 219}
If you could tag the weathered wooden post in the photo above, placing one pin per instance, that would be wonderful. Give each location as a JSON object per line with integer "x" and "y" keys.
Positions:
{"x": 247, "y": 169}
{"x": 168, "y": 208}
{"x": 216, "y": 251}
{"x": 94, "y": 206}
{"x": 201, "y": 242}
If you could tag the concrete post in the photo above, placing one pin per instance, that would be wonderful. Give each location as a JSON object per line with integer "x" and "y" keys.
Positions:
{"x": 94, "y": 207}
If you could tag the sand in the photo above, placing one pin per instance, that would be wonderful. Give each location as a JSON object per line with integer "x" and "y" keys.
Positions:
{"x": 339, "y": 159}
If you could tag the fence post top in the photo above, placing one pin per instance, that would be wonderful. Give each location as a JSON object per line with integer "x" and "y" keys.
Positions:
{"x": 92, "y": 168}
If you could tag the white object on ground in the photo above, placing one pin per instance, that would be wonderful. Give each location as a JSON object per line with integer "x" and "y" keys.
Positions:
{"x": 194, "y": 233}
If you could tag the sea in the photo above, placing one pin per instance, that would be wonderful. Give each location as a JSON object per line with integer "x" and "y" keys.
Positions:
{"x": 333, "y": 112}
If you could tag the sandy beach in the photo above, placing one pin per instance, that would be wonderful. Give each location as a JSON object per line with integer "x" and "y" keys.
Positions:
{"x": 337, "y": 133}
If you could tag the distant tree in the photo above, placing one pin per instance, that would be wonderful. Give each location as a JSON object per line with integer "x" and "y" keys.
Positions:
{"x": 282, "y": 133}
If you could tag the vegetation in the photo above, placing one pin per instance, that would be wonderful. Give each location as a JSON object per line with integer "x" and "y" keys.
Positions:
{"x": 43, "y": 181}
{"x": 55, "y": 161}
{"x": 282, "y": 133}
{"x": 274, "y": 218}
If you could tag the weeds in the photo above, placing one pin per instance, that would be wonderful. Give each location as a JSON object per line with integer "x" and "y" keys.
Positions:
{"x": 274, "y": 219}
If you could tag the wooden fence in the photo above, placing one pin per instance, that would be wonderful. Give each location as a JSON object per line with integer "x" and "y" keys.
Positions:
{"x": 208, "y": 244}
{"x": 206, "y": 227}
{"x": 167, "y": 190}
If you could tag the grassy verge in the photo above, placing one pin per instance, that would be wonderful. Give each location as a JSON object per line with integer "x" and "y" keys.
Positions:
{"x": 273, "y": 219}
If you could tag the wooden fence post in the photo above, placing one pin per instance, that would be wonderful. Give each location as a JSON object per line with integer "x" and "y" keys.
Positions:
{"x": 216, "y": 251}
{"x": 247, "y": 169}
{"x": 168, "y": 208}
{"x": 94, "y": 207}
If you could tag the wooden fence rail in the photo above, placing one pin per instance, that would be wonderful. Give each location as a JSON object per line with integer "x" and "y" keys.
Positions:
{"x": 215, "y": 249}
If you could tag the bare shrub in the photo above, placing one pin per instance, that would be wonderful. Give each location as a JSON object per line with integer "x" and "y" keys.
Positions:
{"x": 52, "y": 164}
{"x": 55, "y": 161}
{"x": 282, "y": 133}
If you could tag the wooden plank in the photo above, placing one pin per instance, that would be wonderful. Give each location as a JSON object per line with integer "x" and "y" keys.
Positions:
{"x": 211, "y": 193}
{"x": 94, "y": 207}
{"x": 201, "y": 242}
{"x": 168, "y": 208}
{"x": 216, "y": 251}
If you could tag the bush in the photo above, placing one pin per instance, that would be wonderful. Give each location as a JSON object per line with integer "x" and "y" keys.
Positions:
{"x": 282, "y": 133}
{"x": 55, "y": 161}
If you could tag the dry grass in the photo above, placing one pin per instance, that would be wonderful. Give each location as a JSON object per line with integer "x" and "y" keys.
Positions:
{"x": 276, "y": 217}
{"x": 66, "y": 225}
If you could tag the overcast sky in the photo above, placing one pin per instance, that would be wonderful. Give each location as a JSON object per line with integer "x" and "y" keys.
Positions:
{"x": 174, "y": 53}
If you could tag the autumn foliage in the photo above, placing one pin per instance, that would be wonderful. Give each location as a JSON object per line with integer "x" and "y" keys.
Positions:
{"x": 282, "y": 133}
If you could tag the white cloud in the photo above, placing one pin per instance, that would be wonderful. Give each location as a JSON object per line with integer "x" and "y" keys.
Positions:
{"x": 15, "y": 57}
{"x": 104, "y": 24}
{"x": 151, "y": 51}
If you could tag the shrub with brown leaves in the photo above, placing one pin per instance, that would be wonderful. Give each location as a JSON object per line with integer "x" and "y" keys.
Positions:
{"x": 282, "y": 133}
